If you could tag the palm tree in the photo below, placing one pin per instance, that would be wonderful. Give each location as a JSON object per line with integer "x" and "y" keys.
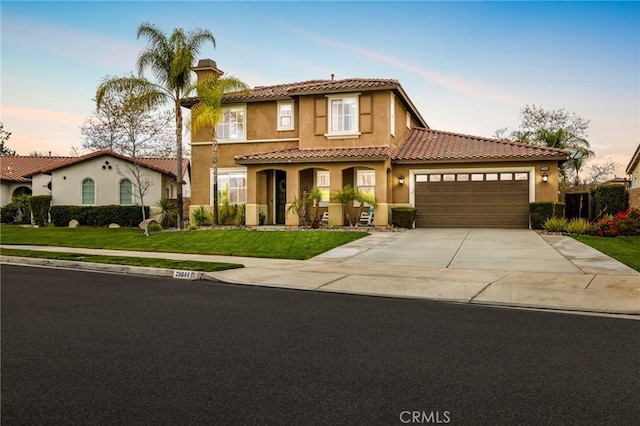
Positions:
{"x": 170, "y": 60}
{"x": 208, "y": 113}
{"x": 579, "y": 147}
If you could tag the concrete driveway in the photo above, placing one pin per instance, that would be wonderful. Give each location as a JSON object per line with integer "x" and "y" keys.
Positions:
{"x": 519, "y": 250}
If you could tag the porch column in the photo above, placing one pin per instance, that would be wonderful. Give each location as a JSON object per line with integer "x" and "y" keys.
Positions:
{"x": 381, "y": 211}
{"x": 293, "y": 192}
{"x": 251, "y": 207}
{"x": 336, "y": 213}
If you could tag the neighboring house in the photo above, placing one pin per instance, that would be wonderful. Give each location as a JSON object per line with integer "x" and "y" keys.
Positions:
{"x": 633, "y": 170}
{"x": 14, "y": 172}
{"x": 98, "y": 178}
{"x": 279, "y": 141}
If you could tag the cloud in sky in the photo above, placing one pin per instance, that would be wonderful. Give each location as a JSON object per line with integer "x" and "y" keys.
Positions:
{"x": 451, "y": 82}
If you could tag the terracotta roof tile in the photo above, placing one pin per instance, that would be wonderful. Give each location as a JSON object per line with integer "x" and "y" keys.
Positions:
{"x": 16, "y": 168}
{"x": 435, "y": 145}
{"x": 21, "y": 168}
{"x": 298, "y": 155}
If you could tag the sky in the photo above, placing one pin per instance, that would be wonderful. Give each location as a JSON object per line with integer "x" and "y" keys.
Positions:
{"x": 469, "y": 67}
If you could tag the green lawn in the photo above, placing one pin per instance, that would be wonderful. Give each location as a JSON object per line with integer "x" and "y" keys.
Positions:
{"x": 125, "y": 260}
{"x": 623, "y": 249}
{"x": 269, "y": 244}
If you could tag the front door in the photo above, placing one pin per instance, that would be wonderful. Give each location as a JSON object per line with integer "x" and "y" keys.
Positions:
{"x": 281, "y": 197}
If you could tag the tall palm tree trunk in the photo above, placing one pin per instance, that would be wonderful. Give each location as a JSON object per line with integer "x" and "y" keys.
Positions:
{"x": 179, "y": 160}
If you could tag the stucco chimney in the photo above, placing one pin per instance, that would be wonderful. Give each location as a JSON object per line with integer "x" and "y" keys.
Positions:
{"x": 207, "y": 67}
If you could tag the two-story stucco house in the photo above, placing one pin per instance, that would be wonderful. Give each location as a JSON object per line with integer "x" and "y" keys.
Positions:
{"x": 277, "y": 142}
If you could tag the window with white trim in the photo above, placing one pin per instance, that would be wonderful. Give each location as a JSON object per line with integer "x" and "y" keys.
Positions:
{"x": 126, "y": 192}
{"x": 235, "y": 182}
{"x": 343, "y": 115}
{"x": 365, "y": 182}
{"x": 88, "y": 191}
{"x": 232, "y": 126}
{"x": 285, "y": 115}
{"x": 322, "y": 183}
{"x": 392, "y": 115}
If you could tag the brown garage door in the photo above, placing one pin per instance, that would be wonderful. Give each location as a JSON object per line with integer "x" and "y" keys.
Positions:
{"x": 472, "y": 200}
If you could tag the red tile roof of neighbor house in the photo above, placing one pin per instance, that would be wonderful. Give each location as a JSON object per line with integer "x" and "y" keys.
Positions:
{"x": 297, "y": 155}
{"x": 21, "y": 168}
{"x": 435, "y": 145}
{"x": 16, "y": 168}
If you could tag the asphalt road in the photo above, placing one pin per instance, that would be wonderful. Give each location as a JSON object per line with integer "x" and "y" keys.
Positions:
{"x": 91, "y": 348}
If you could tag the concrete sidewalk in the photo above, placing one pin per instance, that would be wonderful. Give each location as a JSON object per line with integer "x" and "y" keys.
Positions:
{"x": 494, "y": 267}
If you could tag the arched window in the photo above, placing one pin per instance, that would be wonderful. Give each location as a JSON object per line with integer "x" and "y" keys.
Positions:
{"x": 126, "y": 192}
{"x": 88, "y": 191}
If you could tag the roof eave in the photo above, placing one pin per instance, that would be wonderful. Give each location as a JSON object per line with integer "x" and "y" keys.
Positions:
{"x": 477, "y": 160}
{"x": 312, "y": 160}
{"x": 634, "y": 161}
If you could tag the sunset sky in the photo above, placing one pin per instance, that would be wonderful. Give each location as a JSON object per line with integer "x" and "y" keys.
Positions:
{"x": 469, "y": 67}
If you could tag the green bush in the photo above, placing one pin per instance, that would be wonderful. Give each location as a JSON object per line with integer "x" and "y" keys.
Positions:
{"x": 199, "y": 216}
{"x": 555, "y": 224}
{"x": 540, "y": 212}
{"x": 610, "y": 199}
{"x": 154, "y": 227}
{"x": 9, "y": 213}
{"x": 40, "y": 208}
{"x": 24, "y": 209}
{"x": 577, "y": 226}
{"x": 128, "y": 216}
{"x": 403, "y": 217}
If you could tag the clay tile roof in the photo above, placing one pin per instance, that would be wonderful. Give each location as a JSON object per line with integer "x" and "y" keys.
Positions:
{"x": 162, "y": 165}
{"x": 16, "y": 168}
{"x": 435, "y": 145}
{"x": 297, "y": 155}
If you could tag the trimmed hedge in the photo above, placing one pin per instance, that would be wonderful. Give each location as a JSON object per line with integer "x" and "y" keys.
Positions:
{"x": 17, "y": 211}
{"x": 129, "y": 216}
{"x": 8, "y": 213}
{"x": 40, "y": 208}
{"x": 540, "y": 212}
{"x": 403, "y": 217}
{"x": 610, "y": 199}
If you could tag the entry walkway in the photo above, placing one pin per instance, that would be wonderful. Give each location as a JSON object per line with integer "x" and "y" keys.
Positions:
{"x": 482, "y": 266}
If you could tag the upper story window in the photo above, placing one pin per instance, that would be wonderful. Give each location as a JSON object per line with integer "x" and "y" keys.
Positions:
{"x": 634, "y": 180}
{"x": 408, "y": 120}
{"x": 88, "y": 192}
{"x": 392, "y": 115}
{"x": 285, "y": 115}
{"x": 126, "y": 192}
{"x": 343, "y": 115}
{"x": 233, "y": 124}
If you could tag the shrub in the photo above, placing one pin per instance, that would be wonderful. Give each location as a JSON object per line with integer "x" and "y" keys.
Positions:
{"x": 129, "y": 216}
{"x": 40, "y": 205}
{"x": 610, "y": 199}
{"x": 154, "y": 227}
{"x": 539, "y": 212}
{"x": 24, "y": 209}
{"x": 577, "y": 205}
{"x": 168, "y": 211}
{"x": 555, "y": 224}
{"x": 577, "y": 226}
{"x": 199, "y": 216}
{"x": 9, "y": 213}
{"x": 623, "y": 223}
{"x": 403, "y": 217}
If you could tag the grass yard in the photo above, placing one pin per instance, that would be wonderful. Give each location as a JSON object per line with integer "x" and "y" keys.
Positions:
{"x": 269, "y": 244}
{"x": 125, "y": 260}
{"x": 623, "y": 249}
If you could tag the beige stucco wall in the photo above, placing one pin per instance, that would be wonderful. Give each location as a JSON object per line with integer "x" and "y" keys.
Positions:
{"x": 67, "y": 182}
{"x": 7, "y": 190}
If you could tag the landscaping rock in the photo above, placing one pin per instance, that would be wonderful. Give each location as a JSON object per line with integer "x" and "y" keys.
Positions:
{"x": 114, "y": 225}
{"x": 73, "y": 223}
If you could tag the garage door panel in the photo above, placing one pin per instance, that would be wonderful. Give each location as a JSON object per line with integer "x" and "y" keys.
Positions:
{"x": 481, "y": 204}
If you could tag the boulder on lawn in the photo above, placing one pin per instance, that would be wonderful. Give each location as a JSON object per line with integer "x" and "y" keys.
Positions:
{"x": 73, "y": 223}
{"x": 114, "y": 225}
{"x": 146, "y": 222}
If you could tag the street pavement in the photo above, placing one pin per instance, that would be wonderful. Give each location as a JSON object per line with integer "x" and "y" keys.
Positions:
{"x": 90, "y": 348}
{"x": 518, "y": 268}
